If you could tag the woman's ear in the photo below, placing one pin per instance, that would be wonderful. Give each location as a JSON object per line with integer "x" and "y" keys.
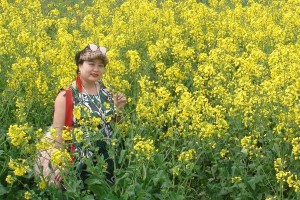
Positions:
{"x": 79, "y": 67}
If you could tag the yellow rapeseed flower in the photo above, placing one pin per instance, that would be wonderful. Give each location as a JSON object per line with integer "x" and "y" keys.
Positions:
{"x": 223, "y": 153}
{"x": 18, "y": 166}
{"x": 59, "y": 158}
{"x": 42, "y": 184}
{"x": 9, "y": 179}
{"x": 236, "y": 179}
{"x": 144, "y": 148}
{"x": 186, "y": 156}
{"x": 77, "y": 112}
{"x": 27, "y": 195}
{"x": 176, "y": 170}
{"x": 18, "y": 134}
{"x": 66, "y": 135}
{"x": 78, "y": 134}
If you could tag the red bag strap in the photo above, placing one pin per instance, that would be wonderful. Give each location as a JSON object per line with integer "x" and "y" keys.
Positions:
{"x": 69, "y": 108}
{"x": 69, "y": 113}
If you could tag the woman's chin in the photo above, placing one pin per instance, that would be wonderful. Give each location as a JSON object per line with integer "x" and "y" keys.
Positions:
{"x": 94, "y": 78}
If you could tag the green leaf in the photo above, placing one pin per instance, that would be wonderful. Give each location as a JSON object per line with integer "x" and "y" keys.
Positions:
{"x": 122, "y": 155}
{"x": 88, "y": 197}
{"x": 144, "y": 172}
{"x": 254, "y": 180}
{"x": 159, "y": 176}
{"x": 241, "y": 185}
{"x": 177, "y": 196}
{"x": 214, "y": 169}
{"x": 93, "y": 180}
{"x": 111, "y": 197}
{"x": 99, "y": 191}
{"x": 3, "y": 190}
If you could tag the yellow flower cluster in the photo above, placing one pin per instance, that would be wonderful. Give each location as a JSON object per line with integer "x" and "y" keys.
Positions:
{"x": 9, "y": 179}
{"x": 77, "y": 112}
{"x": 236, "y": 179}
{"x": 153, "y": 102}
{"x": 19, "y": 134}
{"x": 19, "y": 166}
{"x": 143, "y": 148}
{"x": 39, "y": 133}
{"x": 42, "y": 184}
{"x": 27, "y": 195}
{"x": 210, "y": 71}
{"x": 296, "y": 147}
{"x": 135, "y": 60}
{"x": 223, "y": 153}
{"x": 186, "y": 163}
{"x": 286, "y": 176}
{"x": 79, "y": 134}
{"x": 168, "y": 134}
{"x": 53, "y": 132}
{"x": 44, "y": 144}
{"x": 66, "y": 134}
{"x": 83, "y": 115}
{"x": 250, "y": 146}
{"x": 60, "y": 158}
{"x": 176, "y": 170}
{"x": 186, "y": 156}
{"x": 293, "y": 182}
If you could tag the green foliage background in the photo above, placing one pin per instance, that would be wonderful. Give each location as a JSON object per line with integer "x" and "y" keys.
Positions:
{"x": 213, "y": 84}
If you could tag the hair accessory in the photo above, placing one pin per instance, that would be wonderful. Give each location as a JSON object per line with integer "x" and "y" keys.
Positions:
{"x": 93, "y": 51}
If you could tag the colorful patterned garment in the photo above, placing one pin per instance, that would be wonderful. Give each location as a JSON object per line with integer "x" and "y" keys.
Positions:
{"x": 102, "y": 106}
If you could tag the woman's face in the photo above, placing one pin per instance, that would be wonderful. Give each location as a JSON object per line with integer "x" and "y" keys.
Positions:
{"x": 91, "y": 70}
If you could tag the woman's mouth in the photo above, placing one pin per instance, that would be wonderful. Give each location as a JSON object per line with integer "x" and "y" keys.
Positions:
{"x": 95, "y": 75}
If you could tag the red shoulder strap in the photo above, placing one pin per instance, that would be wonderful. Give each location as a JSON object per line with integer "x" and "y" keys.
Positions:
{"x": 69, "y": 108}
{"x": 69, "y": 112}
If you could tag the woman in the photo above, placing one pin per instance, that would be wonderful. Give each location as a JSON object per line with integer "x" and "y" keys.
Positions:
{"x": 89, "y": 91}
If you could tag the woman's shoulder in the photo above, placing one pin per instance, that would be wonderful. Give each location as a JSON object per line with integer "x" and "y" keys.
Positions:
{"x": 61, "y": 97}
{"x": 62, "y": 92}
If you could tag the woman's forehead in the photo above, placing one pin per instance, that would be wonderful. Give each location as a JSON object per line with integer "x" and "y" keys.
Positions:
{"x": 96, "y": 60}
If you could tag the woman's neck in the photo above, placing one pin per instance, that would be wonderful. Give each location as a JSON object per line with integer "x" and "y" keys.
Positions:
{"x": 89, "y": 87}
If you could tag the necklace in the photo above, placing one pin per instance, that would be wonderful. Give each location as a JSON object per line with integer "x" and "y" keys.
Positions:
{"x": 97, "y": 91}
{"x": 93, "y": 101}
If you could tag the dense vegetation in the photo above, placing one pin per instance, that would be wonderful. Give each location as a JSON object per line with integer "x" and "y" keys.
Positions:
{"x": 213, "y": 89}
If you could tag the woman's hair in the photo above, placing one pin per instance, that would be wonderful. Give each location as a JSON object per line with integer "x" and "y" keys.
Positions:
{"x": 88, "y": 54}
{"x": 78, "y": 61}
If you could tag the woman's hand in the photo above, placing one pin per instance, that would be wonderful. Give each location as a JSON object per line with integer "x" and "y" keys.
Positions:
{"x": 56, "y": 179}
{"x": 120, "y": 100}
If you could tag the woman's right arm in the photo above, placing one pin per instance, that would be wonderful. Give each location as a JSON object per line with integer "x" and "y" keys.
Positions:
{"x": 59, "y": 117}
{"x": 58, "y": 124}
